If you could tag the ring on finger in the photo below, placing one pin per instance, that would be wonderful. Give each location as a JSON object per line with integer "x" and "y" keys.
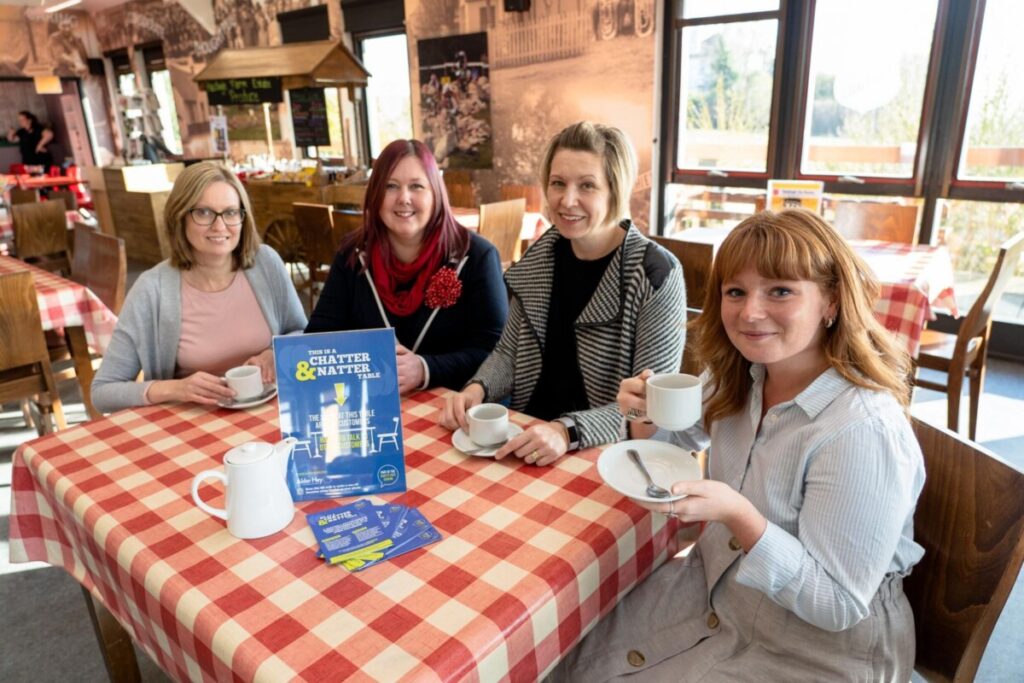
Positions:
{"x": 531, "y": 458}
{"x": 633, "y": 414}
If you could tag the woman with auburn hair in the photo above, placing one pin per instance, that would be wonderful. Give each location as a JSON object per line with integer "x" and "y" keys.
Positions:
{"x": 813, "y": 476}
{"x": 414, "y": 268}
{"x": 190, "y": 318}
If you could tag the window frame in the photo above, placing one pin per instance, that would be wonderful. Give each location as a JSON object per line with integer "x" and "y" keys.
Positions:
{"x": 951, "y": 68}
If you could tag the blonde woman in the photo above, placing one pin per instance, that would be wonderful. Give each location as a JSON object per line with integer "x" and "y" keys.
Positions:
{"x": 593, "y": 301}
{"x": 214, "y": 304}
{"x": 814, "y": 473}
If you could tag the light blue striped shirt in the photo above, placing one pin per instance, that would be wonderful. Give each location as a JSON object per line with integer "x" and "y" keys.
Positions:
{"x": 837, "y": 472}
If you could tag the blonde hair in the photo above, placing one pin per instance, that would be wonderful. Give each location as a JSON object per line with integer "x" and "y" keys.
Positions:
{"x": 617, "y": 155}
{"x": 188, "y": 189}
{"x": 798, "y": 245}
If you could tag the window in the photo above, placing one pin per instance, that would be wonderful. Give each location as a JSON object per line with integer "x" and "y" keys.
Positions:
{"x": 726, "y": 93}
{"x": 915, "y": 102}
{"x": 993, "y": 147}
{"x": 160, "y": 82}
{"x": 869, "y": 63}
{"x": 389, "y": 110}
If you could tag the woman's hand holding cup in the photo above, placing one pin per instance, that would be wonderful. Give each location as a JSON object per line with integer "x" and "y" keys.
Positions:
{"x": 454, "y": 414}
{"x": 200, "y": 387}
{"x": 632, "y": 400}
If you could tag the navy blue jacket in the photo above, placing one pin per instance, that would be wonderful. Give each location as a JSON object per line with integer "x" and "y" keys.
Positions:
{"x": 459, "y": 339}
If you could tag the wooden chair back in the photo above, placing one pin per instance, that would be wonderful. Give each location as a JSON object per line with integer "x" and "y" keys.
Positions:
{"x": 345, "y": 223}
{"x": 20, "y": 196}
{"x": 41, "y": 234}
{"x": 876, "y": 221}
{"x": 69, "y": 199}
{"x": 978, "y": 322}
{"x": 24, "y": 359}
{"x": 533, "y": 194}
{"x": 101, "y": 264}
{"x": 352, "y": 195}
{"x": 696, "y": 260}
{"x": 970, "y": 521}
{"x": 459, "y": 185}
{"x": 501, "y": 223}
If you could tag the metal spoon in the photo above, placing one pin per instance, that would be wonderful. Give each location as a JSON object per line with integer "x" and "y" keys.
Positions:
{"x": 653, "y": 490}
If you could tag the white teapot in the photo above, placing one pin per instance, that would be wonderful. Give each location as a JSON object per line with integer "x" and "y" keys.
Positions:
{"x": 258, "y": 500}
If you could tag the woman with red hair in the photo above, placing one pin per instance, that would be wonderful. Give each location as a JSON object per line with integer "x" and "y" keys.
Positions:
{"x": 414, "y": 268}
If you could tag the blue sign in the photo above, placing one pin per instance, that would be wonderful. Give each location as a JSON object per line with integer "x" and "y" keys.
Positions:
{"x": 338, "y": 395}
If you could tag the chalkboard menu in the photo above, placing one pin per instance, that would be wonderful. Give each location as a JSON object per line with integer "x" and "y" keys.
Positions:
{"x": 244, "y": 90}
{"x": 309, "y": 117}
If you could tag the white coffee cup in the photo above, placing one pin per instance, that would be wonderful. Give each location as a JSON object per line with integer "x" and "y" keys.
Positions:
{"x": 674, "y": 401}
{"x": 488, "y": 424}
{"x": 246, "y": 381}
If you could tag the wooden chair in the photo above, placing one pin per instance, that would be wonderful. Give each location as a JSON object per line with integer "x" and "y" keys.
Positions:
{"x": 875, "y": 221}
{"x": 970, "y": 521}
{"x": 501, "y": 223}
{"x": 345, "y": 222}
{"x": 20, "y": 196}
{"x": 101, "y": 264}
{"x": 965, "y": 352}
{"x": 41, "y": 235}
{"x": 316, "y": 230}
{"x": 24, "y": 360}
{"x": 533, "y": 194}
{"x": 459, "y": 186}
{"x": 696, "y": 260}
{"x": 69, "y": 199}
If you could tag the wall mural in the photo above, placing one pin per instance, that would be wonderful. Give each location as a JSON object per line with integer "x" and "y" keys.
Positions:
{"x": 563, "y": 61}
{"x": 455, "y": 94}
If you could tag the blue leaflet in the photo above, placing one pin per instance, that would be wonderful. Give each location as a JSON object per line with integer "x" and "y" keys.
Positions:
{"x": 361, "y": 534}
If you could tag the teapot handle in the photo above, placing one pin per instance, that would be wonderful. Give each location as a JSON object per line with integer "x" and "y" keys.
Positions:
{"x": 209, "y": 474}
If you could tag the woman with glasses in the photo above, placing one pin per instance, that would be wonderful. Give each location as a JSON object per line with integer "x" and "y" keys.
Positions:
{"x": 214, "y": 304}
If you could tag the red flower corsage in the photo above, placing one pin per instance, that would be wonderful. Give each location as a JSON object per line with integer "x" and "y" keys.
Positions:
{"x": 444, "y": 289}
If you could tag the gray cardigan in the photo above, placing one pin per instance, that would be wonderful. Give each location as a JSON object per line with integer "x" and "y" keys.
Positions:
{"x": 634, "y": 320}
{"x": 149, "y": 327}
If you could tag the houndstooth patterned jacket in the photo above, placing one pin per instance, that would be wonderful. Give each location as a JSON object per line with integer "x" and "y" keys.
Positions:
{"x": 636, "y": 319}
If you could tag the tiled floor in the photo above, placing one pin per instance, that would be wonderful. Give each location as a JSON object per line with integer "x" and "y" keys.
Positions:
{"x": 45, "y": 632}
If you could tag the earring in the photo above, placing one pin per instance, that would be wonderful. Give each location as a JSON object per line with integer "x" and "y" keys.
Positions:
{"x": 828, "y": 323}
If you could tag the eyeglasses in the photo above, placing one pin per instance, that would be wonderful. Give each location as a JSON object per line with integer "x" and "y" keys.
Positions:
{"x": 206, "y": 217}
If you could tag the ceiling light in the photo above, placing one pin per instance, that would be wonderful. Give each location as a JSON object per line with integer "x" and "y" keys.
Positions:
{"x": 63, "y": 5}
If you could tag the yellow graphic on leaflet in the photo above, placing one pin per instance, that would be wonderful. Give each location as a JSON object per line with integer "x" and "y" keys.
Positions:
{"x": 304, "y": 373}
{"x": 340, "y": 394}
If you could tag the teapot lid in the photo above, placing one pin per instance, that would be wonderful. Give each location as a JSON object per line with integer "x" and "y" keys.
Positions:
{"x": 248, "y": 453}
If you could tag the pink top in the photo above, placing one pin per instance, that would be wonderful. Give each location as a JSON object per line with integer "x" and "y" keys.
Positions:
{"x": 220, "y": 330}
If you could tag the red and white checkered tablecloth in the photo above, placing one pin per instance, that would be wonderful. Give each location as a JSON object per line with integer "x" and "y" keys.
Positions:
{"x": 915, "y": 279}
{"x": 64, "y": 303}
{"x": 530, "y": 557}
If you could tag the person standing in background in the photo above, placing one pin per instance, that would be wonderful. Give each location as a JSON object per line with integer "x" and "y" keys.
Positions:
{"x": 33, "y": 139}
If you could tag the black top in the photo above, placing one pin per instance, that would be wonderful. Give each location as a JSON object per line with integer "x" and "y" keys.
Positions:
{"x": 459, "y": 339}
{"x": 560, "y": 387}
{"x": 28, "y": 140}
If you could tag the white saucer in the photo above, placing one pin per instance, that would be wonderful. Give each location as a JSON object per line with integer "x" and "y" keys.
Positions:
{"x": 462, "y": 442}
{"x": 666, "y": 462}
{"x": 269, "y": 392}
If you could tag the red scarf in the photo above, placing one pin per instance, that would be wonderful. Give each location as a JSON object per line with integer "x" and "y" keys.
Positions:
{"x": 392, "y": 277}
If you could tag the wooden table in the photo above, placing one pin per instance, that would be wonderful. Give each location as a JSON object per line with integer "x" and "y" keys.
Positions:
{"x": 73, "y": 308}
{"x": 530, "y": 557}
